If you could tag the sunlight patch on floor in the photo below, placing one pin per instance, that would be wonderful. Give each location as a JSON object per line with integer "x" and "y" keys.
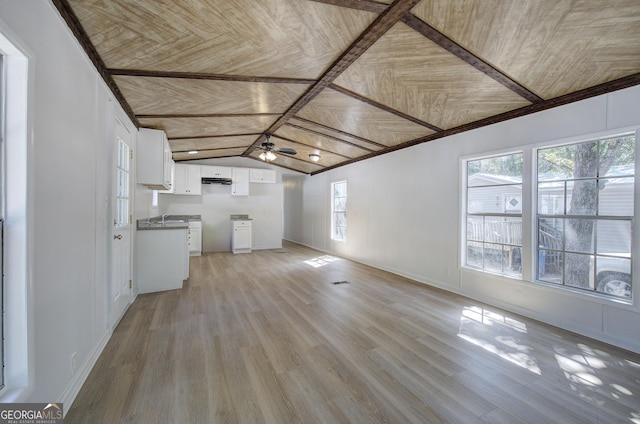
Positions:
{"x": 501, "y": 339}
{"x": 321, "y": 261}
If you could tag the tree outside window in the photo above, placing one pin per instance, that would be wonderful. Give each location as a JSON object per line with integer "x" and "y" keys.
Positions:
{"x": 585, "y": 211}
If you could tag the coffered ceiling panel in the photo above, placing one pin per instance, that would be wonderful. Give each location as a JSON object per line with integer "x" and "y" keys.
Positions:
{"x": 194, "y": 127}
{"x": 409, "y": 73}
{"x": 290, "y": 162}
{"x": 354, "y": 116}
{"x": 286, "y": 38}
{"x": 551, "y": 47}
{"x": 208, "y": 154}
{"x": 209, "y": 143}
{"x": 149, "y": 95}
{"x": 321, "y": 142}
{"x": 335, "y": 134}
{"x": 348, "y": 79}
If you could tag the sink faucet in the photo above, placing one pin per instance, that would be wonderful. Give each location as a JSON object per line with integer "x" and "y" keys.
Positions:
{"x": 164, "y": 215}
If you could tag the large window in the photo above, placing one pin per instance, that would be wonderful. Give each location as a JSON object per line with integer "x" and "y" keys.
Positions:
{"x": 577, "y": 222}
{"x": 585, "y": 213}
{"x": 494, "y": 214}
{"x": 339, "y": 211}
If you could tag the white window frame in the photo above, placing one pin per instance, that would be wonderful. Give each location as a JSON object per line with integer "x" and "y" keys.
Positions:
{"x": 465, "y": 214}
{"x": 529, "y": 215}
{"x": 535, "y": 256}
{"x": 19, "y": 352}
{"x": 333, "y": 211}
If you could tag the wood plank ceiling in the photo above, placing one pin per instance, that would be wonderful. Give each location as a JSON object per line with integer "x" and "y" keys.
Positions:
{"x": 348, "y": 79}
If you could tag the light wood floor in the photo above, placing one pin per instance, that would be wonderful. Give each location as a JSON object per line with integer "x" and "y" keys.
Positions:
{"x": 266, "y": 337}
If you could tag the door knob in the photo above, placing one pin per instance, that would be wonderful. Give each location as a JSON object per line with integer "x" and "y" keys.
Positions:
{"x": 117, "y": 237}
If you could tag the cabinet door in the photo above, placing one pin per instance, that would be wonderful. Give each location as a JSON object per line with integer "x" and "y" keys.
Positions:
{"x": 187, "y": 179}
{"x": 241, "y": 238}
{"x": 265, "y": 176}
{"x": 240, "y": 184}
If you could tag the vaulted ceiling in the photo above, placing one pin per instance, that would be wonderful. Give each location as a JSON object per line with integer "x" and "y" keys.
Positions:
{"x": 348, "y": 79}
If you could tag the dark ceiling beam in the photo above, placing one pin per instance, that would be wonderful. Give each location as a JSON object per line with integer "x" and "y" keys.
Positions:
{"x": 285, "y": 167}
{"x": 598, "y": 90}
{"x": 366, "y": 5}
{"x": 310, "y": 146}
{"x": 74, "y": 25}
{"x": 206, "y": 76}
{"x": 383, "y": 107}
{"x": 383, "y": 23}
{"x": 207, "y": 115}
{"x": 346, "y": 134}
{"x": 212, "y": 136}
{"x": 318, "y": 133}
{"x": 460, "y": 52}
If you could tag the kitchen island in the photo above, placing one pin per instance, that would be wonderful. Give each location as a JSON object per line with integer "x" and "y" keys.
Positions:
{"x": 162, "y": 252}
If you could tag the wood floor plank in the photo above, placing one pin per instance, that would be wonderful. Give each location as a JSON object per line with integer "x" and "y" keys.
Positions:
{"x": 267, "y": 338}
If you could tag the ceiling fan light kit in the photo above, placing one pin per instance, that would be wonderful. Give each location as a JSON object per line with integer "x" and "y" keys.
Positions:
{"x": 269, "y": 148}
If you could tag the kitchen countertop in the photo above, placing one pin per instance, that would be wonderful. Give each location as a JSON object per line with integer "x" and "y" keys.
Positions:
{"x": 241, "y": 218}
{"x": 171, "y": 222}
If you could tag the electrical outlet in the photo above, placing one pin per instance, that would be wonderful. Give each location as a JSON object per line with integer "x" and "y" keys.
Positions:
{"x": 74, "y": 363}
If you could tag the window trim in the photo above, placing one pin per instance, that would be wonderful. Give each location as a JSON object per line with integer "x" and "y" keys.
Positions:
{"x": 529, "y": 209}
{"x": 634, "y": 254}
{"x": 332, "y": 232}
{"x": 465, "y": 214}
{"x": 19, "y": 216}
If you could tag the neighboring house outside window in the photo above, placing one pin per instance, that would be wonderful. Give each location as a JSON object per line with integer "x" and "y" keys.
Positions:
{"x": 493, "y": 240}
{"x": 339, "y": 211}
{"x": 584, "y": 215}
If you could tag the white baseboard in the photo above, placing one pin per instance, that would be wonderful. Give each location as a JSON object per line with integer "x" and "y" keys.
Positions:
{"x": 74, "y": 386}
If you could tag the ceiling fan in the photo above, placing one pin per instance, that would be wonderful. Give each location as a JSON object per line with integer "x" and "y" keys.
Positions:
{"x": 269, "y": 148}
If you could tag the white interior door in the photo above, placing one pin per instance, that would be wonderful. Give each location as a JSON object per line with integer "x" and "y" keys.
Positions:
{"x": 121, "y": 231}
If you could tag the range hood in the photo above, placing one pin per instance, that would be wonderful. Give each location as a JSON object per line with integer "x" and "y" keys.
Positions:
{"x": 216, "y": 180}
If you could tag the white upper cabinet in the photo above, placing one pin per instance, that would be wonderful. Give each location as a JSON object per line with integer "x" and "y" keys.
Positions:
{"x": 240, "y": 184}
{"x": 154, "y": 161}
{"x": 187, "y": 179}
{"x": 208, "y": 171}
{"x": 267, "y": 176}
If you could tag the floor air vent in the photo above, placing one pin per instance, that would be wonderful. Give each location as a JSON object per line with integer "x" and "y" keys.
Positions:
{"x": 340, "y": 282}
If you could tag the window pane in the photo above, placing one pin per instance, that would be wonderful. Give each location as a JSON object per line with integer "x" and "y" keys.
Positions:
{"x": 579, "y": 235}
{"x": 494, "y": 257}
{"x": 551, "y": 198}
{"x": 340, "y": 219}
{"x": 497, "y": 170}
{"x": 550, "y": 266}
{"x": 503, "y": 230}
{"x": 582, "y": 197}
{"x": 496, "y": 199}
{"x": 616, "y": 197}
{"x": 340, "y": 189}
{"x": 613, "y": 276}
{"x": 550, "y": 232}
{"x": 474, "y": 254}
{"x": 559, "y": 163}
{"x": 340, "y": 204}
{"x": 475, "y": 229}
{"x": 617, "y": 156}
{"x": 578, "y": 270}
{"x": 614, "y": 238}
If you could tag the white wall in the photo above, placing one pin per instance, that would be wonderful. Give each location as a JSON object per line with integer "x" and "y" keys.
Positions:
{"x": 70, "y": 113}
{"x": 216, "y": 204}
{"x": 404, "y": 216}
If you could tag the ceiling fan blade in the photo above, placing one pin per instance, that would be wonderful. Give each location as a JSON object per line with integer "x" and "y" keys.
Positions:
{"x": 287, "y": 151}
